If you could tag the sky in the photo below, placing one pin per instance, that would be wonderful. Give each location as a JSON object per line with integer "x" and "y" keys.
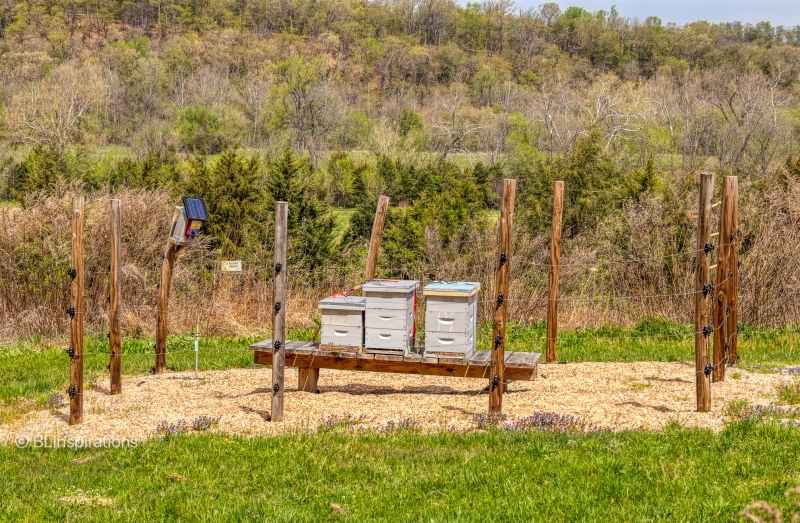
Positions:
{"x": 777, "y": 12}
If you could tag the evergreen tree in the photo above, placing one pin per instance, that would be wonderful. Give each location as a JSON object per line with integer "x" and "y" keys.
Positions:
{"x": 39, "y": 171}
{"x": 234, "y": 196}
{"x": 311, "y": 224}
{"x": 594, "y": 187}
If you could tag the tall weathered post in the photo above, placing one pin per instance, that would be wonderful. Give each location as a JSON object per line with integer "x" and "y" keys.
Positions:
{"x": 733, "y": 295}
{"x": 497, "y": 383}
{"x": 724, "y": 278}
{"x": 279, "y": 311}
{"x": 375, "y": 237}
{"x": 162, "y": 307}
{"x": 115, "y": 290}
{"x": 702, "y": 293}
{"x": 555, "y": 261}
{"x": 75, "y": 311}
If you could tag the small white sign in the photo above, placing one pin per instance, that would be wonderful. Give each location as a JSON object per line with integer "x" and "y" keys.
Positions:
{"x": 230, "y": 266}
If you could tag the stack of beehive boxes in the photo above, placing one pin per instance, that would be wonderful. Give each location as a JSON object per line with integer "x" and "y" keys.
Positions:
{"x": 342, "y": 323}
{"x": 451, "y": 312}
{"x": 390, "y": 316}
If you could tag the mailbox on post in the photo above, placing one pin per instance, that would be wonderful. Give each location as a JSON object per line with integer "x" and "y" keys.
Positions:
{"x": 188, "y": 220}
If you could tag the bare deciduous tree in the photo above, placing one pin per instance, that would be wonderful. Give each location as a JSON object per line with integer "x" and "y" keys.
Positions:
{"x": 50, "y": 111}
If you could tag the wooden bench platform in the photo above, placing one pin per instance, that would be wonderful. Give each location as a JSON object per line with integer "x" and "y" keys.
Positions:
{"x": 519, "y": 366}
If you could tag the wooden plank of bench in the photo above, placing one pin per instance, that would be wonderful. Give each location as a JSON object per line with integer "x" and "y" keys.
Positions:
{"x": 465, "y": 370}
{"x": 262, "y": 345}
{"x": 291, "y": 346}
{"x": 419, "y": 358}
{"x": 523, "y": 359}
{"x": 343, "y": 354}
{"x": 389, "y": 357}
{"x": 481, "y": 357}
{"x": 453, "y": 360}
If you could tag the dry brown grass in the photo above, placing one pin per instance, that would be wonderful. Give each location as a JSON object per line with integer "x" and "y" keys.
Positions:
{"x": 600, "y": 284}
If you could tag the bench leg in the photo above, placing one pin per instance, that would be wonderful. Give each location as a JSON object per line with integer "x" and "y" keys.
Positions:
{"x": 307, "y": 379}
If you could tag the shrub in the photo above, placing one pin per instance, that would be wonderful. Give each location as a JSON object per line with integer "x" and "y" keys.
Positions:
{"x": 200, "y": 129}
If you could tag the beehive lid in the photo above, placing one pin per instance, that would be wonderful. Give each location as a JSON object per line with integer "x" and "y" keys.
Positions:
{"x": 391, "y": 286}
{"x": 355, "y": 303}
{"x": 451, "y": 288}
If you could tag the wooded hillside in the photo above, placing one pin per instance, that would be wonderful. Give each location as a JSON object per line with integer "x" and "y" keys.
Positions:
{"x": 395, "y": 77}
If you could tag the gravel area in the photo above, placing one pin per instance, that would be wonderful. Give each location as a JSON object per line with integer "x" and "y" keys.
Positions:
{"x": 615, "y": 396}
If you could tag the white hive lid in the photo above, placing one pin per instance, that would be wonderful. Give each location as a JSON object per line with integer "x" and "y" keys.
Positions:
{"x": 451, "y": 288}
{"x": 356, "y": 303}
{"x": 391, "y": 286}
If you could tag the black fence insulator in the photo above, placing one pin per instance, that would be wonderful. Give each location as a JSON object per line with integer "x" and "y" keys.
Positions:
{"x": 732, "y": 238}
{"x": 708, "y": 369}
{"x": 72, "y": 272}
{"x": 707, "y": 330}
{"x": 278, "y": 268}
{"x": 707, "y": 288}
{"x": 70, "y": 352}
{"x": 739, "y": 232}
{"x": 740, "y": 264}
{"x": 500, "y": 299}
{"x": 276, "y": 387}
{"x": 277, "y": 306}
{"x": 495, "y": 382}
{"x": 71, "y": 312}
{"x": 72, "y": 390}
{"x": 708, "y": 247}
{"x": 498, "y": 341}
{"x": 277, "y": 345}
{"x": 503, "y": 258}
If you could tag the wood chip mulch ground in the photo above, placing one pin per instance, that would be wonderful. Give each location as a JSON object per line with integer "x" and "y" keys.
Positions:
{"x": 614, "y": 396}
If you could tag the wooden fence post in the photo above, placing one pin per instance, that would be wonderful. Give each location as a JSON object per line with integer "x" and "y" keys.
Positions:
{"x": 76, "y": 312}
{"x": 279, "y": 311}
{"x": 724, "y": 274}
{"x": 701, "y": 278}
{"x": 162, "y": 308}
{"x": 115, "y": 284}
{"x": 555, "y": 261}
{"x": 375, "y": 237}
{"x": 733, "y": 301}
{"x": 496, "y": 383}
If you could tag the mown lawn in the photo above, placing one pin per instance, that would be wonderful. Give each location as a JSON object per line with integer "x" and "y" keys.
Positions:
{"x": 673, "y": 475}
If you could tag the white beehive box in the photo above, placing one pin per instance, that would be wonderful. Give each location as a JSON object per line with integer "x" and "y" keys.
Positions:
{"x": 389, "y": 318}
{"x": 451, "y": 316}
{"x": 342, "y": 321}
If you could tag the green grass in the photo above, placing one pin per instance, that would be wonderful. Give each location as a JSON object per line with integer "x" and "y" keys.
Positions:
{"x": 789, "y": 393}
{"x": 673, "y": 475}
{"x": 496, "y": 475}
{"x": 34, "y": 369}
{"x": 649, "y": 340}
{"x": 342, "y": 216}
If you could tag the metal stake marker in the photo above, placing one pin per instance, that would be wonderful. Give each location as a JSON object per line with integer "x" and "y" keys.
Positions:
{"x": 196, "y": 348}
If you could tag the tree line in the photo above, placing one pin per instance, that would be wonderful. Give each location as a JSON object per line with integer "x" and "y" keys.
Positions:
{"x": 400, "y": 77}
